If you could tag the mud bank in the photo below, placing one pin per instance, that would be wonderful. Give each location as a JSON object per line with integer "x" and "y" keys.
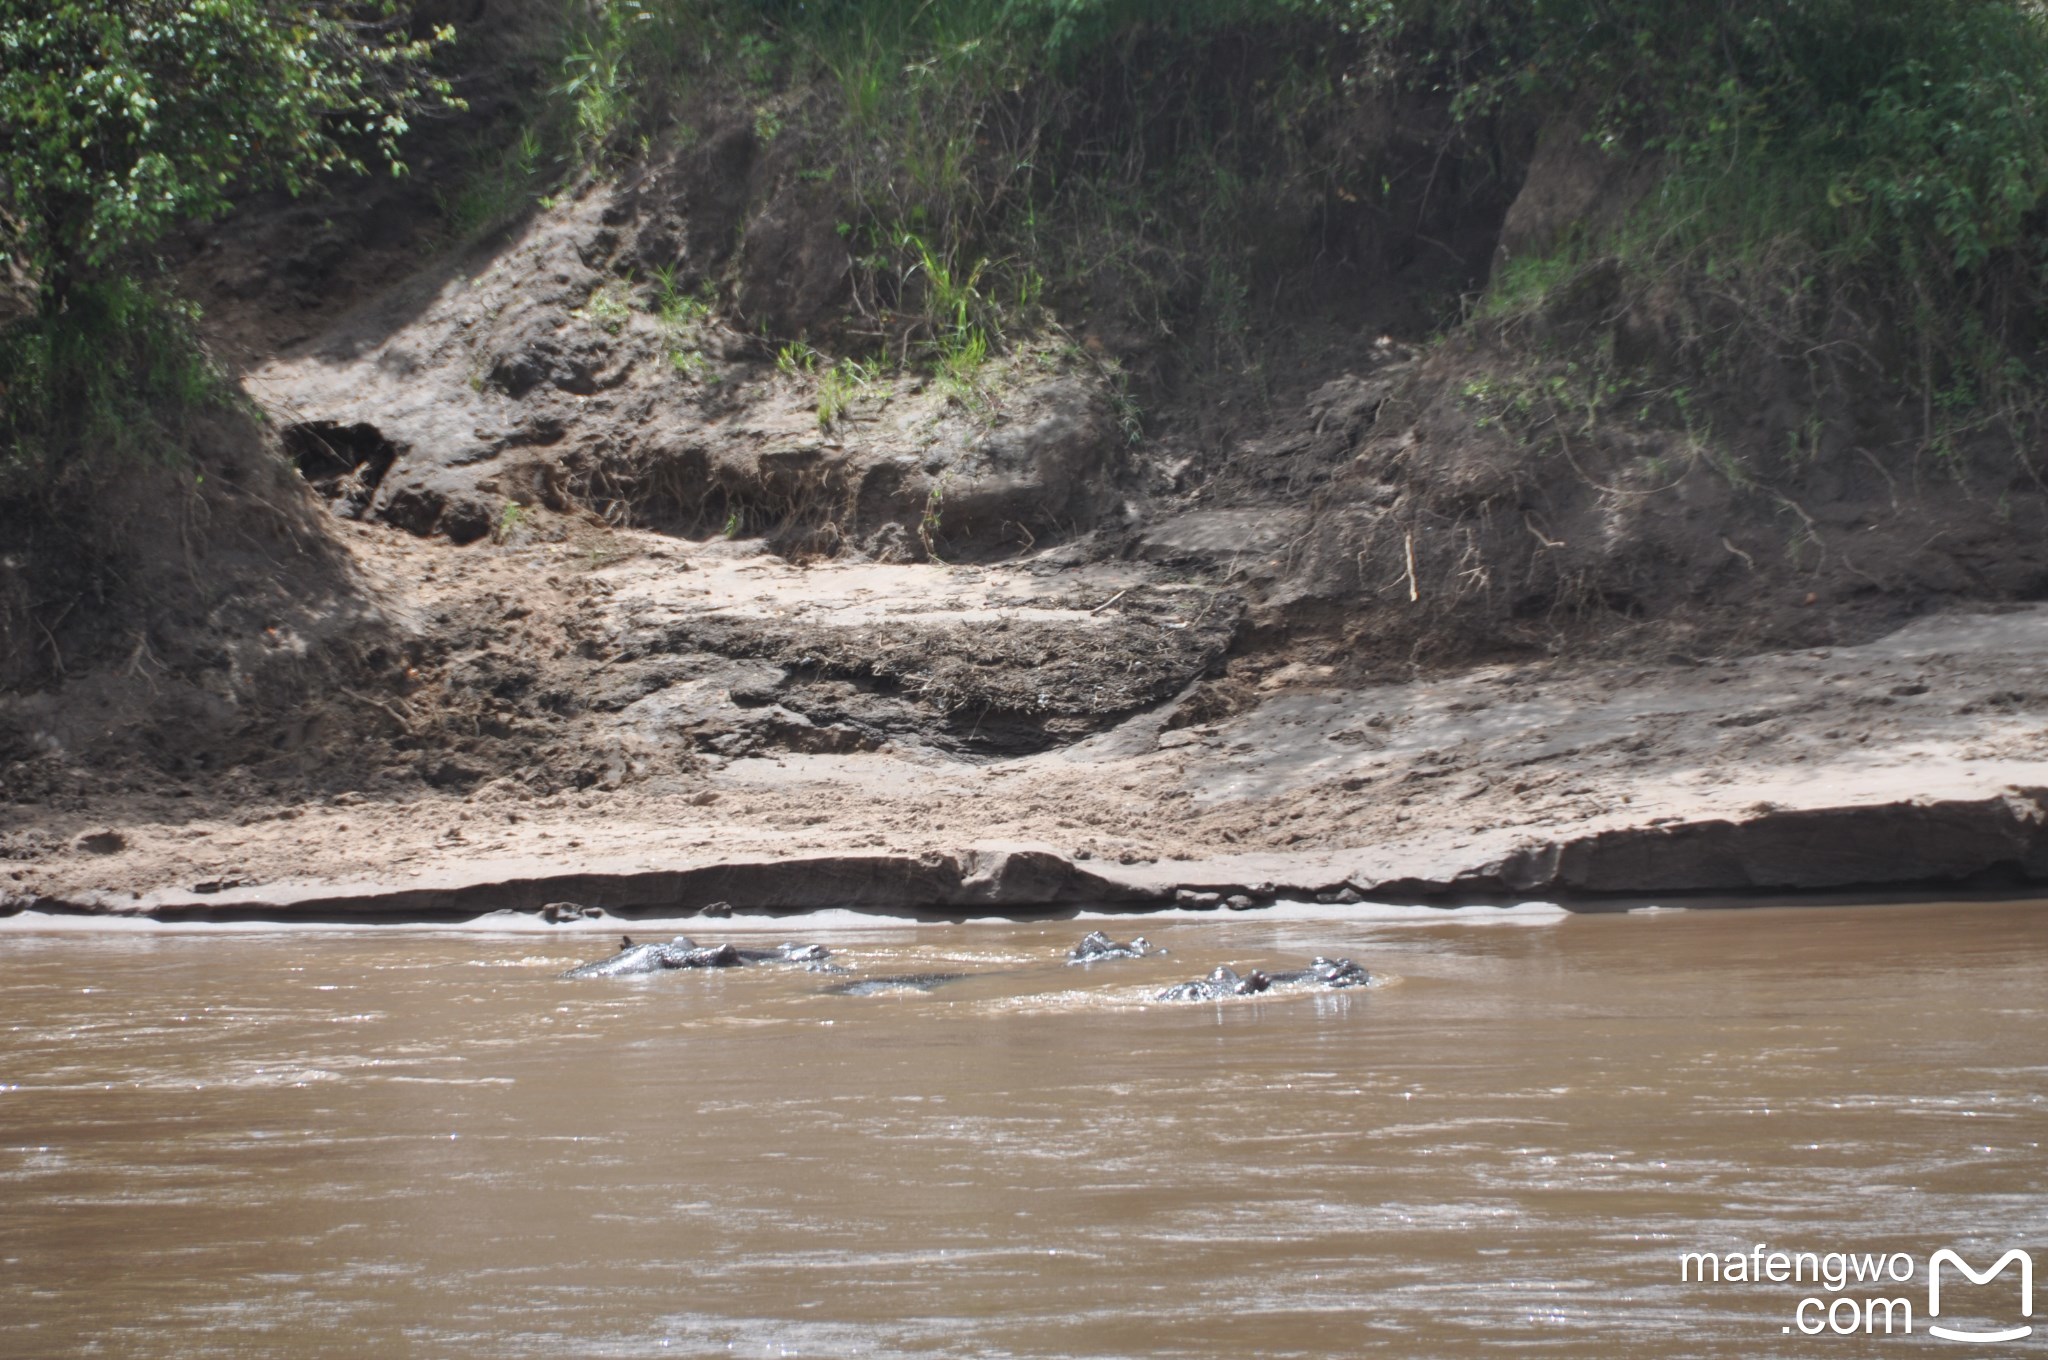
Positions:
{"x": 614, "y": 632}
{"x": 1913, "y": 761}
{"x": 1999, "y": 842}
{"x": 687, "y": 528}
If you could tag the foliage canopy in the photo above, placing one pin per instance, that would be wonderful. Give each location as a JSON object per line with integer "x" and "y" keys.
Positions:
{"x": 121, "y": 118}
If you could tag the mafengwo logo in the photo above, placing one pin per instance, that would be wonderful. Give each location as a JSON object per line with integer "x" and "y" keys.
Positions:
{"x": 1947, "y": 1257}
{"x": 1850, "y": 1311}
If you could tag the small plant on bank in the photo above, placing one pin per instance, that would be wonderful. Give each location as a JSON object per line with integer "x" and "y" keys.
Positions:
{"x": 840, "y": 385}
{"x": 796, "y": 360}
{"x": 689, "y": 361}
{"x": 934, "y": 514}
{"x": 596, "y": 72}
{"x": 682, "y": 317}
{"x": 499, "y": 189}
{"x": 1130, "y": 417}
{"x": 676, "y": 309}
{"x": 959, "y": 359}
{"x": 622, "y": 62}
{"x": 509, "y": 520}
{"x": 952, "y": 299}
{"x": 609, "y": 306}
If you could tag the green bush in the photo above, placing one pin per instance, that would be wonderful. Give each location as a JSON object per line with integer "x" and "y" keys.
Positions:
{"x": 1907, "y": 137}
{"x": 1911, "y": 126}
{"x": 115, "y": 372}
{"x": 121, "y": 119}
{"x": 1844, "y": 184}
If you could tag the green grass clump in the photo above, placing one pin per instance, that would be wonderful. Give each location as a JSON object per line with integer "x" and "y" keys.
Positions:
{"x": 1170, "y": 167}
{"x": 499, "y": 188}
{"x": 1841, "y": 185}
{"x": 841, "y": 385}
{"x": 682, "y": 317}
{"x": 968, "y": 143}
{"x": 796, "y": 359}
{"x": 118, "y": 373}
{"x": 609, "y": 306}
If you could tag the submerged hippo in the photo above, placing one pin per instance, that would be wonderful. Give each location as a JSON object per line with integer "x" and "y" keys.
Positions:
{"x": 1221, "y": 983}
{"x": 782, "y": 953}
{"x": 636, "y": 958}
{"x": 1096, "y": 946}
{"x": 904, "y": 982}
{"x": 684, "y": 952}
{"x": 1321, "y": 972}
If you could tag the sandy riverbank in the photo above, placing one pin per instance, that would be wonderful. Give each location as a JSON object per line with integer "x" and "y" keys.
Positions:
{"x": 1912, "y": 760}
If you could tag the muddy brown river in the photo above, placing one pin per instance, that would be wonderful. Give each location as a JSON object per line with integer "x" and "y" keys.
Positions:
{"x": 407, "y": 1142}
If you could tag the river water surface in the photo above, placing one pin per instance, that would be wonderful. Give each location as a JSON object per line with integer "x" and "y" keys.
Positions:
{"x": 408, "y": 1142}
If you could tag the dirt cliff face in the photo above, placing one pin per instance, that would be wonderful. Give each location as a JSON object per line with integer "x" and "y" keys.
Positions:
{"x": 547, "y": 369}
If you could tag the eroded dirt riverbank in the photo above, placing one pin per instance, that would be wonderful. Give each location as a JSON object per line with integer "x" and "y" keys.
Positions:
{"x": 664, "y": 725}
{"x": 536, "y": 585}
